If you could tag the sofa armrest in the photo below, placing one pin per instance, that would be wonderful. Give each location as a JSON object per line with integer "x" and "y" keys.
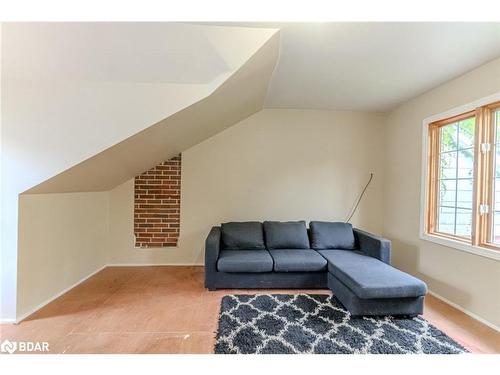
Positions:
{"x": 212, "y": 248}
{"x": 373, "y": 245}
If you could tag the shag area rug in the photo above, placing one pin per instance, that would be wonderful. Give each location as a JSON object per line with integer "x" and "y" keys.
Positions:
{"x": 307, "y": 323}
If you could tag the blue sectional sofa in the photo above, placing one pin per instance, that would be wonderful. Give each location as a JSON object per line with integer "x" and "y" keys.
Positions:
{"x": 354, "y": 264}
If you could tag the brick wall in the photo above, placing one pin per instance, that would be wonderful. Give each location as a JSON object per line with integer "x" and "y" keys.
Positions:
{"x": 157, "y": 197}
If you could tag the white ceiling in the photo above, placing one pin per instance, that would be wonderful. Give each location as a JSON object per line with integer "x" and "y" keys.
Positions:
{"x": 113, "y": 52}
{"x": 238, "y": 96}
{"x": 78, "y": 95}
{"x": 342, "y": 66}
{"x": 373, "y": 66}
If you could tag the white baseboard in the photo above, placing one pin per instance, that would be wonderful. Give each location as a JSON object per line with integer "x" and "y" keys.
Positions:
{"x": 155, "y": 264}
{"x": 24, "y": 316}
{"x": 8, "y": 321}
{"x": 38, "y": 307}
{"x": 465, "y": 311}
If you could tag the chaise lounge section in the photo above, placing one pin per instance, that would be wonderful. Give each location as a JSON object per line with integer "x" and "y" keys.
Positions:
{"x": 367, "y": 286}
{"x": 353, "y": 263}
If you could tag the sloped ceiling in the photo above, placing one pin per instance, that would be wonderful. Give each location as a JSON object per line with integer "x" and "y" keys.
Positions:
{"x": 210, "y": 77}
{"x": 113, "y": 52}
{"x": 372, "y": 66}
{"x": 234, "y": 95}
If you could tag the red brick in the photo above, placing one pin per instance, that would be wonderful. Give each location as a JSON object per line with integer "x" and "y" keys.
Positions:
{"x": 157, "y": 205}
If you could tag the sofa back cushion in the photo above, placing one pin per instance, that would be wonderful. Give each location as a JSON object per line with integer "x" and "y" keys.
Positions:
{"x": 246, "y": 235}
{"x": 330, "y": 235}
{"x": 286, "y": 235}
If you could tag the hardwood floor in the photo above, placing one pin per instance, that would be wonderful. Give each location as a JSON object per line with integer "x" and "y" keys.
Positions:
{"x": 167, "y": 310}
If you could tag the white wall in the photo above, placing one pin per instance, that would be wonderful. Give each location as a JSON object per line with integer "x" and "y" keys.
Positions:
{"x": 49, "y": 126}
{"x": 62, "y": 239}
{"x": 70, "y": 91}
{"x": 275, "y": 165}
{"x": 469, "y": 280}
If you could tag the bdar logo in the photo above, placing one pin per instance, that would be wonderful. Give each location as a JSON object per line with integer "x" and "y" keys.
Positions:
{"x": 8, "y": 347}
{"x": 24, "y": 346}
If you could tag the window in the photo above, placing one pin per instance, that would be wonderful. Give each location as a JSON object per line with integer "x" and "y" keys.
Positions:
{"x": 494, "y": 236}
{"x": 455, "y": 178}
{"x": 463, "y": 178}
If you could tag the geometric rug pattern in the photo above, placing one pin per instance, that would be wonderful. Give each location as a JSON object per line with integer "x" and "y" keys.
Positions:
{"x": 319, "y": 324}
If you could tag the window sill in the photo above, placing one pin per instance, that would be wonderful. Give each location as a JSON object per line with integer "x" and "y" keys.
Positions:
{"x": 481, "y": 251}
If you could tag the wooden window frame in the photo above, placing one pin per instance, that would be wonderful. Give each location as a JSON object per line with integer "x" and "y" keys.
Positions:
{"x": 434, "y": 144}
{"x": 483, "y": 175}
{"x": 485, "y": 188}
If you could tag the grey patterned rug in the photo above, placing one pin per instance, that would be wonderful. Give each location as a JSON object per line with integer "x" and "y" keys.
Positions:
{"x": 306, "y": 323}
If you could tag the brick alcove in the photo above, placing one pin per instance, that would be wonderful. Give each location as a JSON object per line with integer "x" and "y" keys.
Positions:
{"x": 157, "y": 201}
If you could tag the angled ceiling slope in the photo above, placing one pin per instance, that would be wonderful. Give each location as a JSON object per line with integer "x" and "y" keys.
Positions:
{"x": 372, "y": 66}
{"x": 236, "y": 95}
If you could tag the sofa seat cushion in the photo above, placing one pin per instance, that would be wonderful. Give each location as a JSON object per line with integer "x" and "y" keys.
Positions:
{"x": 329, "y": 235}
{"x": 370, "y": 278}
{"x": 247, "y": 235}
{"x": 244, "y": 261}
{"x": 297, "y": 260}
{"x": 286, "y": 235}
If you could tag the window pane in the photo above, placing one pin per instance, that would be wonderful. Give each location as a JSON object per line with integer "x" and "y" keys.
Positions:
{"x": 448, "y": 165}
{"x": 497, "y": 194}
{"x": 495, "y": 230}
{"x": 464, "y": 194}
{"x": 447, "y": 192}
{"x": 455, "y": 181}
{"x": 497, "y": 164}
{"x": 449, "y": 137}
{"x": 466, "y": 163}
{"x": 463, "y": 223}
{"x": 446, "y": 220}
{"x": 496, "y": 227}
{"x": 497, "y": 124}
{"x": 466, "y": 133}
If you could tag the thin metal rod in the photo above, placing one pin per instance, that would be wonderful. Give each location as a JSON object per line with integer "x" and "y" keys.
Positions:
{"x": 353, "y": 211}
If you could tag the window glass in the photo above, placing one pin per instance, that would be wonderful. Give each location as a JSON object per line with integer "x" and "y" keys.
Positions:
{"x": 495, "y": 232}
{"x": 455, "y": 180}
